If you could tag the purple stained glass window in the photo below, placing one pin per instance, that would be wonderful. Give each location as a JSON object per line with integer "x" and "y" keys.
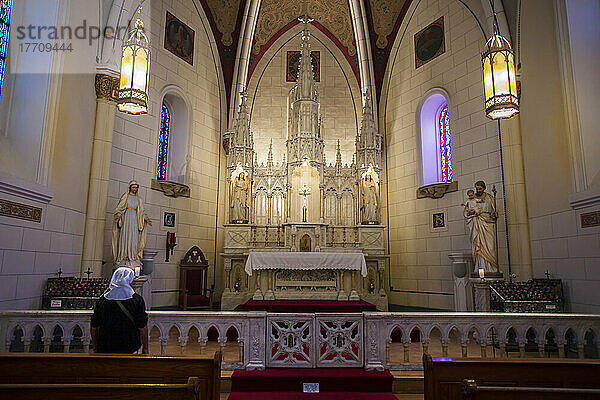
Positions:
{"x": 445, "y": 146}
{"x": 163, "y": 143}
{"x": 5, "y": 12}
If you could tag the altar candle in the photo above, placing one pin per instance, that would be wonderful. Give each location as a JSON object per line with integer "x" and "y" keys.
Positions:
{"x": 138, "y": 269}
{"x": 481, "y": 273}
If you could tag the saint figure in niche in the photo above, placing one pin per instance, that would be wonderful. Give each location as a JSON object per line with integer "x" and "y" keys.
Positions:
{"x": 129, "y": 229}
{"x": 240, "y": 190}
{"x": 369, "y": 193}
{"x": 481, "y": 215}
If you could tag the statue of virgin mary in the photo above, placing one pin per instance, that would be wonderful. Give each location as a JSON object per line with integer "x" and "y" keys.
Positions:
{"x": 129, "y": 229}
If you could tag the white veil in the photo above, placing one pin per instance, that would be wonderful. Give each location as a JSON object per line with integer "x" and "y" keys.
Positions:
{"x": 120, "y": 284}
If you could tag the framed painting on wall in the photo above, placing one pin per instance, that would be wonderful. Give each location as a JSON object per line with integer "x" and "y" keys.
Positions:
{"x": 179, "y": 39}
{"x": 429, "y": 43}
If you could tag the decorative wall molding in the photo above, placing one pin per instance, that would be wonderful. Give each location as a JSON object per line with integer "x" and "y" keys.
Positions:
{"x": 31, "y": 191}
{"x": 106, "y": 87}
{"x": 20, "y": 211}
{"x": 437, "y": 190}
{"x": 171, "y": 189}
{"x": 590, "y": 220}
{"x": 587, "y": 198}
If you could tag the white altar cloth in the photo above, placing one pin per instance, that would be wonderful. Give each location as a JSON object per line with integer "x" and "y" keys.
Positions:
{"x": 305, "y": 260}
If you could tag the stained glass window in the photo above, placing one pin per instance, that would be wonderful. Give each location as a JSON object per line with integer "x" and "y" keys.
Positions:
{"x": 163, "y": 143}
{"x": 445, "y": 146}
{"x": 5, "y": 12}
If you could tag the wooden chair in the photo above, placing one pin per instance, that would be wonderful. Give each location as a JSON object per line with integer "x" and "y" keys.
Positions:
{"x": 194, "y": 293}
{"x": 36, "y": 376}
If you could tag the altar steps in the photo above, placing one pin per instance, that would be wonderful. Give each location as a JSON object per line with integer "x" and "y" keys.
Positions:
{"x": 406, "y": 385}
{"x": 306, "y": 306}
{"x": 334, "y": 383}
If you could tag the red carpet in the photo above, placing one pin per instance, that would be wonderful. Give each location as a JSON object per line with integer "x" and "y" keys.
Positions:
{"x": 310, "y": 396}
{"x": 306, "y": 306}
{"x": 334, "y": 383}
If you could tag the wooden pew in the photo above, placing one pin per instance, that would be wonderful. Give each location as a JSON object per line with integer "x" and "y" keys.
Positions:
{"x": 503, "y": 379}
{"x": 108, "y": 376}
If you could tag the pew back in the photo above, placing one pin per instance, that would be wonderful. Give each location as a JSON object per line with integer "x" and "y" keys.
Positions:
{"x": 509, "y": 378}
{"x": 96, "y": 376}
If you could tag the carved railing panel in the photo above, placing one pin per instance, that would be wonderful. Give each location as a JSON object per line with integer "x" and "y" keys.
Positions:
{"x": 290, "y": 340}
{"x": 339, "y": 340}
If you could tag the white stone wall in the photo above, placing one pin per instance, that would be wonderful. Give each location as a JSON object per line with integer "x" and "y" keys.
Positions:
{"x": 134, "y": 155}
{"x": 420, "y": 271}
{"x": 341, "y": 105}
{"x": 48, "y": 156}
{"x": 559, "y": 244}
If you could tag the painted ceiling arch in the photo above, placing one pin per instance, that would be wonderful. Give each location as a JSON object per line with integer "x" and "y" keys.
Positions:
{"x": 332, "y": 17}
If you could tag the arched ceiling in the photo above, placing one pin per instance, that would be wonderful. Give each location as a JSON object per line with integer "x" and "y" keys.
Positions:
{"x": 332, "y": 17}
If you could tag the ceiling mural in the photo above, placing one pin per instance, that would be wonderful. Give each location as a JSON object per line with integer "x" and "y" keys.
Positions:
{"x": 384, "y": 19}
{"x": 276, "y": 14}
{"x": 332, "y": 17}
{"x": 225, "y": 14}
{"x": 385, "y": 13}
{"x": 225, "y": 19}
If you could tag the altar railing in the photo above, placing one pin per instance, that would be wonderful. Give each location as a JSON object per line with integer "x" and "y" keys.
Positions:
{"x": 373, "y": 340}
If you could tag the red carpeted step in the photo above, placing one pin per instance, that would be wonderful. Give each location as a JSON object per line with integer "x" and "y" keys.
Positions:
{"x": 306, "y": 306}
{"x": 310, "y": 396}
{"x": 329, "y": 379}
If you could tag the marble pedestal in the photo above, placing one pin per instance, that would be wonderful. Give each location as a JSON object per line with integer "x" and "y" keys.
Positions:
{"x": 461, "y": 264}
{"x": 481, "y": 292}
{"x": 142, "y": 285}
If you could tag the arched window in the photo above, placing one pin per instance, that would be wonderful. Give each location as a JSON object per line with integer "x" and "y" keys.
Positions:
{"x": 434, "y": 138}
{"x": 5, "y": 12}
{"x": 445, "y": 145}
{"x": 163, "y": 143}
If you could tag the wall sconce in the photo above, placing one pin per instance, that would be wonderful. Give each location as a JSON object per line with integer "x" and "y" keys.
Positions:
{"x": 171, "y": 243}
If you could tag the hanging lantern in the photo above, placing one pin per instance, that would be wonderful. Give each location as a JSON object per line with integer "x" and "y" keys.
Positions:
{"x": 135, "y": 72}
{"x": 499, "y": 79}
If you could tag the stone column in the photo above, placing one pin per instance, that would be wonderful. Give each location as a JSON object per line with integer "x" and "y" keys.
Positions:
{"x": 516, "y": 200}
{"x": 93, "y": 235}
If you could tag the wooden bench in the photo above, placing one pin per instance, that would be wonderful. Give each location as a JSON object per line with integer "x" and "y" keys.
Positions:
{"x": 502, "y": 379}
{"x": 108, "y": 376}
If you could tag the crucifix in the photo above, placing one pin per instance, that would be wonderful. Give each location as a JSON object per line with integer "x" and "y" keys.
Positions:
{"x": 304, "y": 191}
{"x": 59, "y": 272}
{"x": 547, "y": 274}
{"x": 88, "y": 272}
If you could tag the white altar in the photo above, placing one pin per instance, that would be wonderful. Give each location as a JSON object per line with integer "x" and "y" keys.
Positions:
{"x": 306, "y": 275}
{"x": 258, "y": 260}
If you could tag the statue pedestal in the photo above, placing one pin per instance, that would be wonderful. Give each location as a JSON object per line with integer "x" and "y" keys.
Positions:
{"x": 481, "y": 292}
{"x": 463, "y": 287}
{"x": 142, "y": 285}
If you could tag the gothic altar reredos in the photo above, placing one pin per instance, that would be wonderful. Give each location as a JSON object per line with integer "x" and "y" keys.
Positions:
{"x": 303, "y": 204}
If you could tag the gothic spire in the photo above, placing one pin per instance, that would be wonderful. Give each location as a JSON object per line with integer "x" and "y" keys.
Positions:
{"x": 306, "y": 82}
{"x": 270, "y": 155}
{"x": 368, "y": 146}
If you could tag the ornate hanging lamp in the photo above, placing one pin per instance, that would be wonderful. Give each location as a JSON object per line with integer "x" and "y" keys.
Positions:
{"x": 135, "y": 72}
{"x": 499, "y": 79}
